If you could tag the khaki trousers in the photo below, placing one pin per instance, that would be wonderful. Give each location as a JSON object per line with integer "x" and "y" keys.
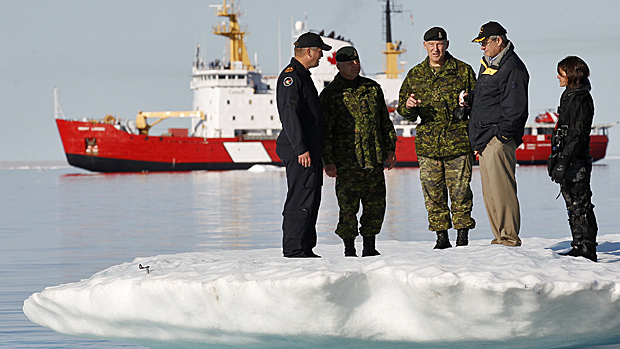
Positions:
{"x": 499, "y": 191}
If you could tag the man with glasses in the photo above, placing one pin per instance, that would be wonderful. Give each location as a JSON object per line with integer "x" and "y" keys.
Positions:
{"x": 431, "y": 91}
{"x": 359, "y": 139}
{"x": 299, "y": 146}
{"x": 498, "y": 116}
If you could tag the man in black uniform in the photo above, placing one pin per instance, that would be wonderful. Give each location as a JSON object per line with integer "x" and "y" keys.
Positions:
{"x": 299, "y": 146}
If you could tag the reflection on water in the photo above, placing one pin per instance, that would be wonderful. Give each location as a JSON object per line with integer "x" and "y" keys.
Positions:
{"x": 58, "y": 226}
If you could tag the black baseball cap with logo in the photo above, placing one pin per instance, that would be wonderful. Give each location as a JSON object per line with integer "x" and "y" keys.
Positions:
{"x": 311, "y": 40}
{"x": 489, "y": 29}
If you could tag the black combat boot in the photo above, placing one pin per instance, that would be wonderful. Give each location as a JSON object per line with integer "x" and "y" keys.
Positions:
{"x": 582, "y": 250}
{"x": 369, "y": 247}
{"x": 461, "y": 237}
{"x": 588, "y": 251}
{"x": 349, "y": 247}
{"x": 443, "y": 241}
{"x": 574, "y": 252}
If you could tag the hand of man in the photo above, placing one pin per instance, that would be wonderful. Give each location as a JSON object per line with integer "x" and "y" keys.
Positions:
{"x": 463, "y": 98}
{"x": 330, "y": 170}
{"x": 391, "y": 160}
{"x": 304, "y": 159}
{"x": 412, "y": 102}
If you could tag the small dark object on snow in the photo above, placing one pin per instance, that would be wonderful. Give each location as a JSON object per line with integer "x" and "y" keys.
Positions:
{"x": 147, "y": 268}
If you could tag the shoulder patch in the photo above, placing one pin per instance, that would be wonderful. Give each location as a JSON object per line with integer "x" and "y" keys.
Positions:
{"x": 289, "y": 69}
{"x": 288, "y": 81}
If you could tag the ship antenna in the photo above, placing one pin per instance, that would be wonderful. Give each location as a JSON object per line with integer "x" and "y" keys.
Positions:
{"x": 388, "y": 23}
{"x": 58, "y": 114}
{"x": 392, "y": 50}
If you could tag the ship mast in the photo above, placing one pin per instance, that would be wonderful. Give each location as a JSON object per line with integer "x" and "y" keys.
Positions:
{"x": 392, "y": 49}
{"x": 238, "y": 51}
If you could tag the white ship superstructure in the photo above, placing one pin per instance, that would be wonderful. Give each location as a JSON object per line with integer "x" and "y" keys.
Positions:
{"x": 235, "y": 101}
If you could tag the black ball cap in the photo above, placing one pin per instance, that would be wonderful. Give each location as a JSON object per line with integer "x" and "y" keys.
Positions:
{"x": 435, "y": 34}
{"x": 311, "y": 40}
{"x": 489, "y": 29}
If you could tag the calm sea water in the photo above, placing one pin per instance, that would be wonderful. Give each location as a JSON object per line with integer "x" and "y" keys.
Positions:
{"x": 60, "y": 225}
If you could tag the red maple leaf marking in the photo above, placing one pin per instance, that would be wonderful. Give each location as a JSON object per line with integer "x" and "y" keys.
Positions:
{"x": 332, "y": 59}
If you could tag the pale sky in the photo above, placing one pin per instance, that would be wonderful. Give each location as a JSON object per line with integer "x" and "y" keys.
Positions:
{"x": 120, "y": 57}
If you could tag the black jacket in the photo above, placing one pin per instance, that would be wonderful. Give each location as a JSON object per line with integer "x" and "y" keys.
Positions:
{"x": 500, "y": 106}
{"x": 300, "y": 111}
{"x": 576, "y": 112}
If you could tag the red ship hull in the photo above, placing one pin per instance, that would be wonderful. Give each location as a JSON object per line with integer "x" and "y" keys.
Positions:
{"x": 101, "y": 147}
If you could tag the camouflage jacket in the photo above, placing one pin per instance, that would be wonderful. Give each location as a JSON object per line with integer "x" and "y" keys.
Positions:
{"x": 439, "y": 134}
{"x": 358, "y": 129}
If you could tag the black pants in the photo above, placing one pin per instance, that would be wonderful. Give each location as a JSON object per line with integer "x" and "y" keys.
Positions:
{"x": 578, "y": 198}
{"x": 301, "y": 207}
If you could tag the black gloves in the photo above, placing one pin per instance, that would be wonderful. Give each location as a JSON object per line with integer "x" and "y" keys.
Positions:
{"x": 557, "y": 170}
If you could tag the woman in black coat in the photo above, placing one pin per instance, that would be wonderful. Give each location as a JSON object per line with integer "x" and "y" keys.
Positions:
{"x": 570, "y": 163}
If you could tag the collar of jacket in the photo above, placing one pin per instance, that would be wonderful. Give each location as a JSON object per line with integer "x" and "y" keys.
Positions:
{"x": 491, "y": 69}
{"x": 341, "y": 82}
{"x": 300, "y": 67}
{"x": 582, "y": 89}
{"x": 450, "y": 64}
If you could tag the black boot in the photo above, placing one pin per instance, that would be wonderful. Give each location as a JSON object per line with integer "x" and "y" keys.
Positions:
{"x": 349, "y": 247}
{"x": 582, "y": 250}
{"x": 369, "y": 247}
{"x": 443, "y": 241}
{"x": 574, "y": 252}
{"x": 461, "y": 237}
{"x": 588, "y": 251}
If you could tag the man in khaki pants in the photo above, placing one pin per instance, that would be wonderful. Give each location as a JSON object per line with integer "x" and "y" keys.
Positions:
{"x": 498, "y": 116}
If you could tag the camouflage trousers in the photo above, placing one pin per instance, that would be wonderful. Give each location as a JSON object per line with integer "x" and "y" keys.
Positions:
{"x": 368, "y": 187}
{"x": 443, "y": 178}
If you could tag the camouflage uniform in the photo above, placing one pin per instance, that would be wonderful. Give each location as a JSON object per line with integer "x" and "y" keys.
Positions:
{"x": 358, "y": 134}
{"x": 442, "y": 144}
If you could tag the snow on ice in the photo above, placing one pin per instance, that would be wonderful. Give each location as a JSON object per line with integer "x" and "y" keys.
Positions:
{"x": 410, "y": 293}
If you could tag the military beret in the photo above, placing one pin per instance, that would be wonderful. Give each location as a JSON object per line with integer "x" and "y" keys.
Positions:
{"x": 346, "y": 54}
{"x": 489, "y": 29}
{"x": 435, "y": 34}
{"x": 311, "y": 40}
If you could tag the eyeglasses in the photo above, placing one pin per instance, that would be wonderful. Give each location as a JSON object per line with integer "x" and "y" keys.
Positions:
{"x": 487, "y": 42}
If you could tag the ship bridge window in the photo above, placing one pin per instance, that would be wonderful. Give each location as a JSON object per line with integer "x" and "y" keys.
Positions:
{"x": 271, "y": 101}
{"x": 544, "y": 130}
{"x": 252, "y": 117}
{"x": 234, "y": 118}
{"x": 240, "y": 77}
{"x": 228, "y": 101}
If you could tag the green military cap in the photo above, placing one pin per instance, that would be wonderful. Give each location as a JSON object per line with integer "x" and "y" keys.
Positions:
{"x": 347, "y": 53}
{"x": 435, "y": 34}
